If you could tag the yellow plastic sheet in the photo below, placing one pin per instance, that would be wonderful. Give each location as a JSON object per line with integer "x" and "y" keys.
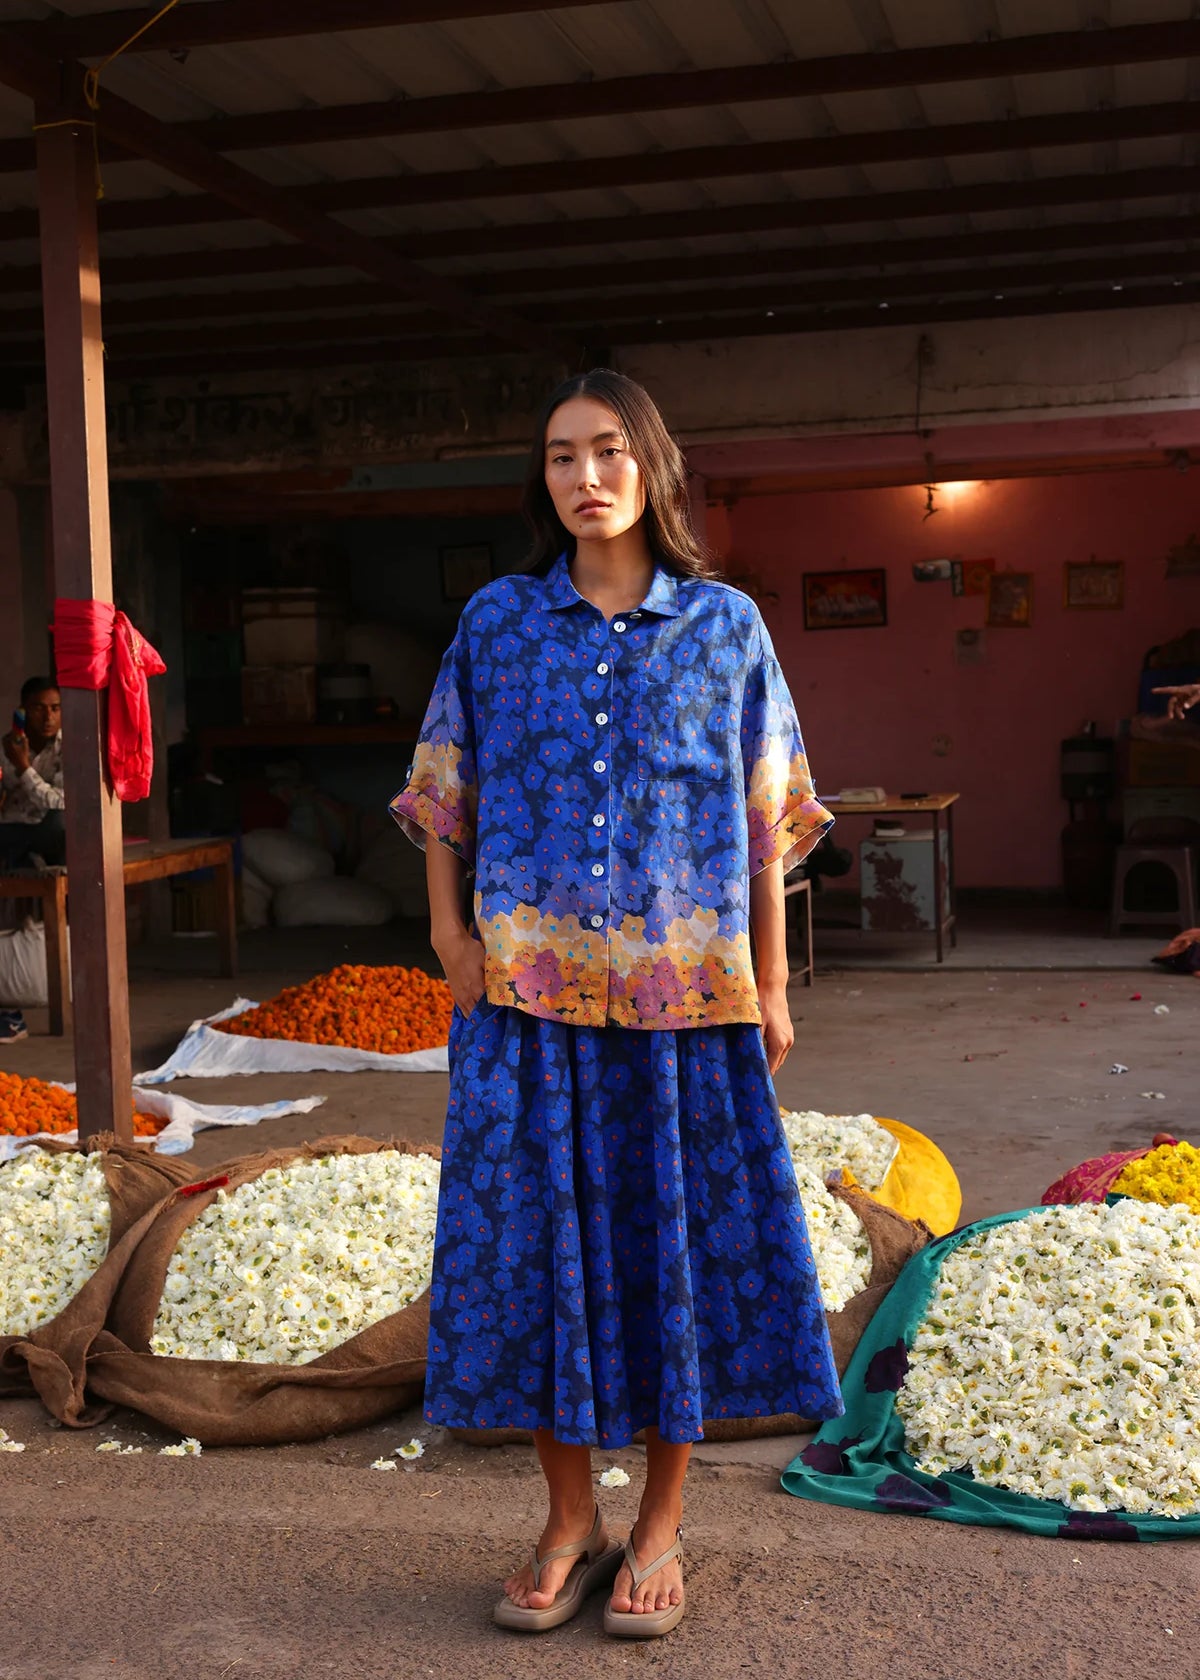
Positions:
{"x": 921, "y": 1183}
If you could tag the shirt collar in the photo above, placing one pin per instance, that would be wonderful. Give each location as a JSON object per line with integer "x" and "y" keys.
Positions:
{"x": 662, "y": 596}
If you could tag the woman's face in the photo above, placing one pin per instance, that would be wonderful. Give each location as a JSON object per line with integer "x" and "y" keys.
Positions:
{"x": 594, "y": 482}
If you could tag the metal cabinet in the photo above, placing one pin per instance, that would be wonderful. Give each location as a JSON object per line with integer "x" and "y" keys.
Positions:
{"x": 899, "y": 882}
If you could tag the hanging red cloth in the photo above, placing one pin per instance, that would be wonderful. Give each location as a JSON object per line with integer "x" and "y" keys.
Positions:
{"x": 95, "y": 647}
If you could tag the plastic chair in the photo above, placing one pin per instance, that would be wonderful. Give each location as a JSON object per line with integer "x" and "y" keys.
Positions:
{"x": 1172, "y": 843}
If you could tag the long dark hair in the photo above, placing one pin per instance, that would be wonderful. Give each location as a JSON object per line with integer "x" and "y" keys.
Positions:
{"x": 669, "y": 532}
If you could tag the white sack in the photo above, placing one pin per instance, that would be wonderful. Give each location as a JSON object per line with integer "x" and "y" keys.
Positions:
{"x": 339, "y": 901}
{"x": 23, "y": 982}
{"x": 280, "y": 858}
{"x": 256, "y": 899}
{"x": 205, "y": 1053}
{"x": 397, "y": 867}
{"x": 184, "y": 1119}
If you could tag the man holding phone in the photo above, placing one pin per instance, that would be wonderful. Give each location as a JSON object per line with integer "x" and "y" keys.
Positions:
{"x": 31, "y": 820}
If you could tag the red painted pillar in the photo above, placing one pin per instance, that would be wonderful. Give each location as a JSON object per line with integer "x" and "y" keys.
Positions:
{"x": 82, "y": 569}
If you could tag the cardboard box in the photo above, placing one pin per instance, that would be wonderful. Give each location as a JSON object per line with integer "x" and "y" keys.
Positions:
{"x": 1163, "y": 764}
{"x": 279, "y": 693}
{"x": 292, "y": 627}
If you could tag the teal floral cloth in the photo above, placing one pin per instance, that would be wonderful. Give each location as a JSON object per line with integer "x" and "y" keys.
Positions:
{"x": 859, "y": 1459}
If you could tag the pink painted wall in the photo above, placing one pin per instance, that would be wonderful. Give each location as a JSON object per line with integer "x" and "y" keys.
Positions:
{"x": 873, "y": 702}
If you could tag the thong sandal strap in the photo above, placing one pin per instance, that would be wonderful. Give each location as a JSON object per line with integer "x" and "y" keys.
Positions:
{"x": 574, "y": 1548}
{"x": 640, "y": 1575}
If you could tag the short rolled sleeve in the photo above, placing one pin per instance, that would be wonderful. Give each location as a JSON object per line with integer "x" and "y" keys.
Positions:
{"x": 784, "y": 818}
{"x": 441, "y": 795}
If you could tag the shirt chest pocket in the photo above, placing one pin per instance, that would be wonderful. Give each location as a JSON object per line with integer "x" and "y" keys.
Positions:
{"x": 684, "y": 730}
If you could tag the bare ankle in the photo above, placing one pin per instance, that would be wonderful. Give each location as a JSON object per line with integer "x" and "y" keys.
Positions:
{"x": 569, "y": 1511}
{"x": 659, "y": 1517}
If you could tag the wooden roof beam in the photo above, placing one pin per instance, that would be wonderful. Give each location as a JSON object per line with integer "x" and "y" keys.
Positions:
{"x": 379, "y": 352}
{"x": 29, "y": 72}
{"x": 232, "y": 191}
{"x": 881, "y": 258}
{"x": 680, "y": 90}
{"x": 1178, "y": 180}
{"x": 881, "y": 292}
{"x": 219, "y": 23}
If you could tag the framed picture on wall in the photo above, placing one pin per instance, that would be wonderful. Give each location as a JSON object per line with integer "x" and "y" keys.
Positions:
{"x": 1010, "y": 600}
{"x": 465, "y": 569}
{"x": 1093, "y": 583}
{"x": 845, "y": 600}
{"x": 970, "y": 577}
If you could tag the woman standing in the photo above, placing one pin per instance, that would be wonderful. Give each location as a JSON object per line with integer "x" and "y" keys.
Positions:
{"x": 613, "y": 751}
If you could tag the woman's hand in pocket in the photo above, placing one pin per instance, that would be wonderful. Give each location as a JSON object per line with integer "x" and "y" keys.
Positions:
{"x": 462, "y": 961}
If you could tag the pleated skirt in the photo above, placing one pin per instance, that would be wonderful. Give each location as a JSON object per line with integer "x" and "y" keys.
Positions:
{"x": 620, "y": 1240}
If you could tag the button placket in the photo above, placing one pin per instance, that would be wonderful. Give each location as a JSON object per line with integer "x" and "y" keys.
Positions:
{"x": 594, "y": 909}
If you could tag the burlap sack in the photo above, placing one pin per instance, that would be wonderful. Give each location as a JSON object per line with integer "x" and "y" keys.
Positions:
{"x": 235, "y": 1403}
{"x": 894, "y": 1240}
{"x": 50, "y": 1361}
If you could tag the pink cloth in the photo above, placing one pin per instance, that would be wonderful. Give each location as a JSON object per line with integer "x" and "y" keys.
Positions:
{"x": 1092, "y": 1180}
{"x": 95, "y": 647}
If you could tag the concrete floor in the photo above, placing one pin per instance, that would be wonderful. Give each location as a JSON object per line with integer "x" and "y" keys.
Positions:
{"x": 301, "y": 1561}
{"x": 989, "y": 936}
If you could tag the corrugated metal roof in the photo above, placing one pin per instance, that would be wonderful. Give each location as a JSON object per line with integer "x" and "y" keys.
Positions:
{"x": 592, "y": 44}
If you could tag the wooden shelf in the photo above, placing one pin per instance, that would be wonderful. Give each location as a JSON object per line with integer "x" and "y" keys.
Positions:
{"x": 305, "y": 735}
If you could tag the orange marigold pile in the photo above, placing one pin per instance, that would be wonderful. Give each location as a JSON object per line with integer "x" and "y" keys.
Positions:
{"x": 394, "y": 1010}
{"x": 30, "y": 1106}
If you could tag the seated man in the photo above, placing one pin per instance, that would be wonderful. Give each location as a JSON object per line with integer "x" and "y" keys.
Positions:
{"x": 31, "y": 820}
{"x": 31, "y": 813}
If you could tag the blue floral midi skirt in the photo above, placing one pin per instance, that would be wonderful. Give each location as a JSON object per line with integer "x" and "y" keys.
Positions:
{"x": 620, "y": 1240}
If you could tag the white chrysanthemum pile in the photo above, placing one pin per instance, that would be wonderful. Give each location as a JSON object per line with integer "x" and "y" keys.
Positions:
{"x": 825, "y": 1142}
{"x": 1060, "y": 1357}
{"x": 284, "y": 1268}
{"x": 839, "y": 1243}
{"x": 54, "y": 1229}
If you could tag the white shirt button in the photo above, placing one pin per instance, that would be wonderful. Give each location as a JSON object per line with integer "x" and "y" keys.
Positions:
{"x": 599, "y": 767}
{"x": 619, "y": 624}
{"x": 601, "y": 717}
{"x": 602, "y": 670}
{"x": 597, "y": 921}
{"x": 597, "y": 822}
{"x": 597, "y": 869}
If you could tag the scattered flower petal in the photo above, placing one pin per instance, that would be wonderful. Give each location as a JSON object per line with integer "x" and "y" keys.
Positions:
{"x": 384, "y": 1464}
{"x": 614, "y": 1477}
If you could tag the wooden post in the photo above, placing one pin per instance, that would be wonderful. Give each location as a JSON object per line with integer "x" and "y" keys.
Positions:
{"x": 83, "y": 569}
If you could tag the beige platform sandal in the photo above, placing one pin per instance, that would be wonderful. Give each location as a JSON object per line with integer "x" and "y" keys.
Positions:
{"x": 597, "y": 1567}
{"x": 645, "y": 1624}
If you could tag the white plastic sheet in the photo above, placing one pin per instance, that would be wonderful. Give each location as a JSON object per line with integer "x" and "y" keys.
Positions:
{"x": 205, "y": 1053}
{"x": 184, "y": 1119}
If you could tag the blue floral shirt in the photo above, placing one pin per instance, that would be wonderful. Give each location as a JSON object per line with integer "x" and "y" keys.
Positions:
{"x": 614, "y": 784}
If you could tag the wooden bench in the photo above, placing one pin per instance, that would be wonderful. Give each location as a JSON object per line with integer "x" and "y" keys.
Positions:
{"x": 801, "y": 891}
{"x": 143, "y": 862}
